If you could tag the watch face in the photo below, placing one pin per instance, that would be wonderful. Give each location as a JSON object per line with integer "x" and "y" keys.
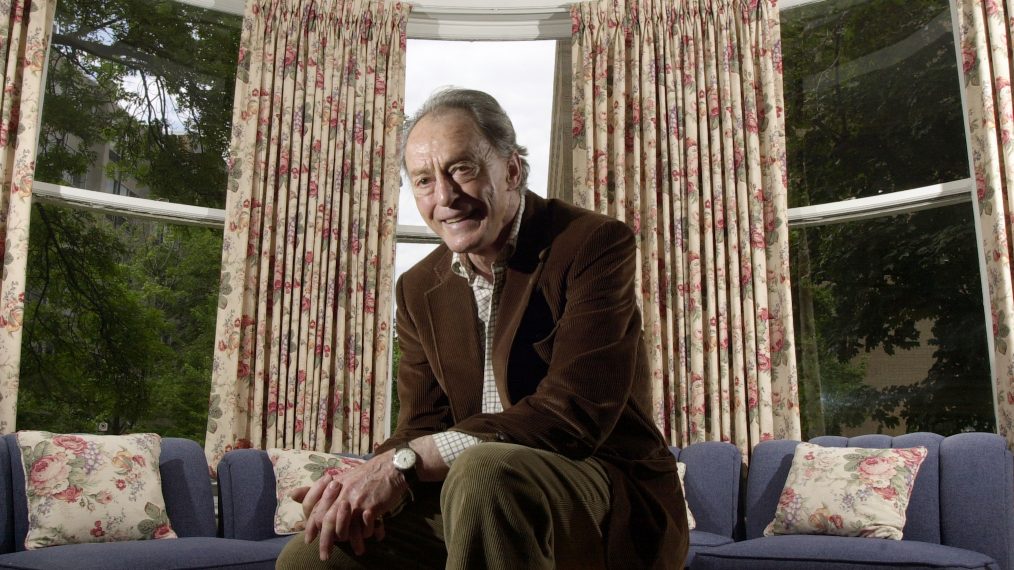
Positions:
{"x": 404, "y": 459}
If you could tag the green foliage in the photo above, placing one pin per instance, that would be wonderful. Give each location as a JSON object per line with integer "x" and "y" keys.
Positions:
{"x": 395, "y": 362}
{"x": 120, "y": 314}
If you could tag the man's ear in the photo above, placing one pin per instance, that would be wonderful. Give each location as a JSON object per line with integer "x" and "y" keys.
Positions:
{"x": 514, "y": 171}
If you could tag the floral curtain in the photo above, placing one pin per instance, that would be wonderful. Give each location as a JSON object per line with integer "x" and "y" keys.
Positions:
{"x": 986, "y": 28}
{"x": 25, "y": 27}
{"x": 301, "y": 356}
{"x": 679, "y": 130}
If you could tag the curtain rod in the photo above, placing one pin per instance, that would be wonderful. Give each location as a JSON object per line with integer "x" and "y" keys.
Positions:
{"x": 464, "y": 7}
{"x": 451, "y": 8}
{"x": 471, "y": 20}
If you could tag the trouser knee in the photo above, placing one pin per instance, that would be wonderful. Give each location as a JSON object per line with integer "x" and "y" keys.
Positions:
{"x": 487, "y": 476}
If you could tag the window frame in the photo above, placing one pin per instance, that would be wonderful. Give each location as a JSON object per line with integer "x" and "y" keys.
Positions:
{"x": 484, "y": 20}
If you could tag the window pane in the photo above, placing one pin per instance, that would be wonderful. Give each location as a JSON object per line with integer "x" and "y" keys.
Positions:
{"x": 119, "y": 324}
{"x": 406, "y": 255}
{"x": 139, "y": 99}
{"x": 889, "y": 326}
{"x": 520, "y": 76}
{"x": 872, "y": 98}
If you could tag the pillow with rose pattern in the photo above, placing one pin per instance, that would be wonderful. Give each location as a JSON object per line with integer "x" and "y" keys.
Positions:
{"x": 92, "y": 488}
{"x": 682, "y": 468}
{"x": 295, "y": 468}
{"x": 847, "y": 491}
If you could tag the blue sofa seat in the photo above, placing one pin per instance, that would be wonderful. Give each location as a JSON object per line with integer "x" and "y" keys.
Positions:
{"x": 186, "y": 488}
{"x": 961, "y": 513}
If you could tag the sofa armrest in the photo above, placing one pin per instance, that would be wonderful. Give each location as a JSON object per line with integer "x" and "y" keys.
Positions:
{"x": 246, "y": 495}
{"x": 712, "y": 485}
{"x": 186, "y": 487}
{"x": 6, "y": 500}
{"x": 977, "y": 495}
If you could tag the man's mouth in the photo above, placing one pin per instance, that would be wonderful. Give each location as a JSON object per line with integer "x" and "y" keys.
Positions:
{"x": 459, "y": 218}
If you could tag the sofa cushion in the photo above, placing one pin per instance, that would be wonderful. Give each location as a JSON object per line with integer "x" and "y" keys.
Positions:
{"x": 294, "y": 468}
{"x": 682, "y": 469}
{"x": 186, "y": 488}
{"x": 847, "y": 491}
{"x": 922, "y": 520}
{"x": 699, "y": 538}
{"x": 92, "y": 488}
{"x": 806, "y": 552}
{"x": 180, "y": 554}
{"x": 700, "y": 541}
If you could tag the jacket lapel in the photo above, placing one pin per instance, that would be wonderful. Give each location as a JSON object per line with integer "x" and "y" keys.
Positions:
{"x": 455, "y": 328}
{"x": 521, "y": 277}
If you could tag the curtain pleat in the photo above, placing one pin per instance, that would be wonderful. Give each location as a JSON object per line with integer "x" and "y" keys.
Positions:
{"x": 679, "y": 131}
{"x": 303, "y": 330}
{"x": 25, "y": 28}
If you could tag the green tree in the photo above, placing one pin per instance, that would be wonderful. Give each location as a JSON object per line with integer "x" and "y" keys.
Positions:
{"x": 120, "y": 314}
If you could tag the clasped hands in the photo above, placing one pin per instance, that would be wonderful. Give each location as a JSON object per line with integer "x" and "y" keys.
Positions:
{"x": 349, "y": 507}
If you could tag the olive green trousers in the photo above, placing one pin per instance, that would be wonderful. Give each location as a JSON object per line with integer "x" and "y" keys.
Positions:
{"x": 502, "y": 506}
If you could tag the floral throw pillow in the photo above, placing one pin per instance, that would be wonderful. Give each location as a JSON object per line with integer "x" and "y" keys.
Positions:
{"x": 847, "y": 491}
{"x": 691, "y": 522}
{"x": 92, "y": 488}
{"x": 295, "y": 468}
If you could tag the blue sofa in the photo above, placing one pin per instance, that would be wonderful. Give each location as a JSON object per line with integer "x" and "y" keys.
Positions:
{"x": 961, "y": 513}
{"x": 186, "y": 488}
{"x": 246, "y": 485}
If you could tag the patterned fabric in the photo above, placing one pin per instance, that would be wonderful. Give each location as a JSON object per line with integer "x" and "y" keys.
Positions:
{"x": 679, "y": 130}
{"x": 301, "y": 357}
{"x": 295, "y": 468}
{"x": 986, "y": 31}
{"x": 682, "y": 468}
{"x": 92, "y": 488}
{"x": 25, "y": 26}
{"x": 847, "y": 491}
{"x": 451, "y": 444}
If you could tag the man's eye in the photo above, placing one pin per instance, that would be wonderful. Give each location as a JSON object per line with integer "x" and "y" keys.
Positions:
{"x": 463, "y": 171}
{"x": 422, "y": 187}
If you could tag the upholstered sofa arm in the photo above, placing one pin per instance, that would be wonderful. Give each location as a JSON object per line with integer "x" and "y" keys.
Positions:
{"x": 246, "y": 495}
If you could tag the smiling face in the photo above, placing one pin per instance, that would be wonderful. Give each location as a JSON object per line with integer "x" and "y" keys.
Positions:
{"x": 466, "y": 193}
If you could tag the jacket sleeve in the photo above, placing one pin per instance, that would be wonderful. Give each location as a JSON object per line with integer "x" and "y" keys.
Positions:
{"x": 425, "y": 408}
{"x": 594, "y": 359}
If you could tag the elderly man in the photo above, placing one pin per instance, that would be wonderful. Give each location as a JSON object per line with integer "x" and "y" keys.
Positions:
{"x": 524, "y": 439}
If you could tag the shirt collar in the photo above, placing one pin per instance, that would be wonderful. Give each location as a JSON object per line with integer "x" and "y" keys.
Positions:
{"x": 461, "y": 265}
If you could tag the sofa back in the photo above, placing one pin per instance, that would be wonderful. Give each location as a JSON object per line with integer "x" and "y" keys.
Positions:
{"x": 963, "y": 495}
{"x": 712, "y": 484}
{"x": 186, "y": 487}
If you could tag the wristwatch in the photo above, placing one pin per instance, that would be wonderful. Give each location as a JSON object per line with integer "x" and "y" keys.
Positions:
{"x": 405, "y": 460}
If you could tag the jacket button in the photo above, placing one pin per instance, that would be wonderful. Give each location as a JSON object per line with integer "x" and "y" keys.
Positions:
{"x": 500, "y": 436}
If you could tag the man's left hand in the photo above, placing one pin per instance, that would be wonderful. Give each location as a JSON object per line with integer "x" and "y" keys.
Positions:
{"x": 349, "y": 507}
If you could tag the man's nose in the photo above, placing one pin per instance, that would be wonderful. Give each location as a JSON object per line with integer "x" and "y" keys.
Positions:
{"x": 445, "y": 189}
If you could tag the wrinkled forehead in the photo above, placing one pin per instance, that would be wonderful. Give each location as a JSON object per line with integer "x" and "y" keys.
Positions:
{"x": 449, "y": 134}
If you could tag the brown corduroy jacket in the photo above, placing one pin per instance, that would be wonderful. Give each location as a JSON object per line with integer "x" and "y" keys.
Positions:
{"x": 569, "y": 363}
